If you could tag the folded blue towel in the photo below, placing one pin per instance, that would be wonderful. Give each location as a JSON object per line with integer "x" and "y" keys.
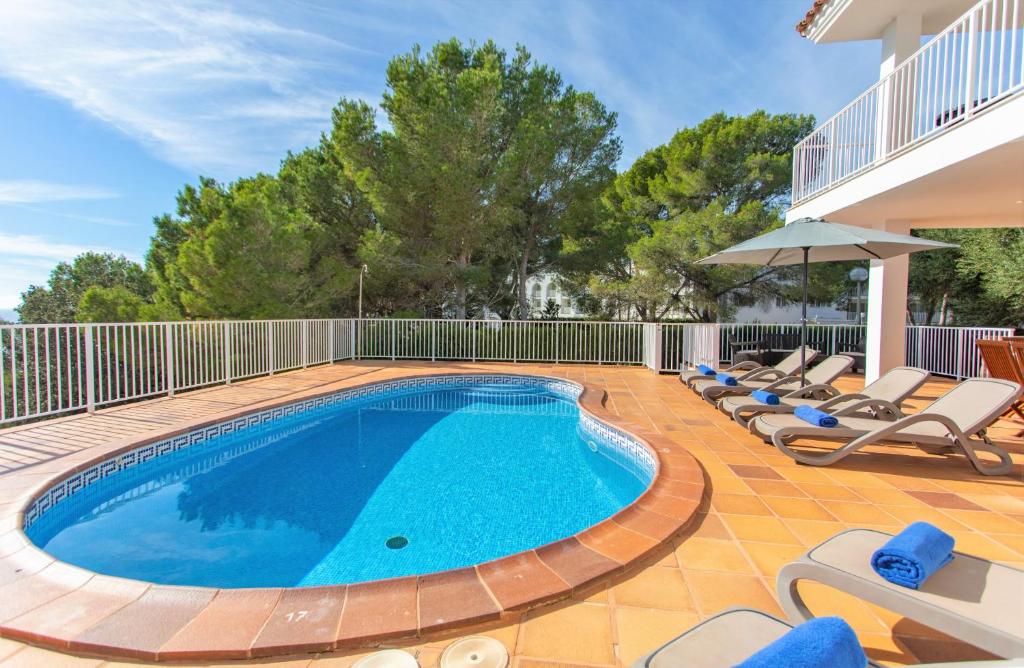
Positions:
{"x": 823, "y": 642}
{"x": 706, "y": 370}
{"x": 766, "y": 397}
{"x": 815, "y": 417}
{"x": 726, "y": 379}
{"x": 913, "y": 555}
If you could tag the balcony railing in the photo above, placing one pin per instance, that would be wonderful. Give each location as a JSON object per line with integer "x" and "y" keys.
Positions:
{"x": 970, "y": 66}
{"x": 55, "y": 369}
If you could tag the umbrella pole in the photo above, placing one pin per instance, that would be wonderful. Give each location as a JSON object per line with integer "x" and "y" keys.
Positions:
{"x": 803, "y": 327}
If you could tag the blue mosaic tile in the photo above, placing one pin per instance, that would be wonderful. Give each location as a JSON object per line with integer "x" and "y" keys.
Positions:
{"x": 614, "y": 443}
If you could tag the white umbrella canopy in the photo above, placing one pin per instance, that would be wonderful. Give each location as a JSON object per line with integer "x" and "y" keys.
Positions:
{"x": 813, "y": 240}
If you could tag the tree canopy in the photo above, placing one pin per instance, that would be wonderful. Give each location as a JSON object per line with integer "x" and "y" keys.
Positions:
{"x": 481, "y": 169}
{"x": 74, "y": 288}
{"x": 487, "y": 160}
{"x": 709, "y": 187}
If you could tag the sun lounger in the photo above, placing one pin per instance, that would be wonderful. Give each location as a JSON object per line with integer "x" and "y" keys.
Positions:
{"x": 971, "y": 599}
{"x": 732, "y": 636}
{"x": 823, "y": 374}
{"x": 881, "y": 398}
{"x": 787, "y": 367}
{"x": 956, "y": 421}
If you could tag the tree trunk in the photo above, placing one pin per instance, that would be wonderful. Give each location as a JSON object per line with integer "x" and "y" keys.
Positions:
{"x": 521, "y": 271}
{"x": 460, "y": 285}
{"x": 522, "y": 298}
{"x": 943, "y": 309}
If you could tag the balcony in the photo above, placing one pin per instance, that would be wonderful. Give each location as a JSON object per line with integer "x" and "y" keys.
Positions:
{"x": 971, "y": 67}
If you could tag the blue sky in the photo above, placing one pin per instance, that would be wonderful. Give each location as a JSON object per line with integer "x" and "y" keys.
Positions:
{"x": 107, "y": 109}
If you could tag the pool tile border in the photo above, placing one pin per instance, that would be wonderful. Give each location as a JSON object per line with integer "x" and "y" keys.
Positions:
{"x": 301, "y": 620}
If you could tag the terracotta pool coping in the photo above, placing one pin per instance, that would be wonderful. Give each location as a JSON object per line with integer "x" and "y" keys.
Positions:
{"x": 51, "y": 603}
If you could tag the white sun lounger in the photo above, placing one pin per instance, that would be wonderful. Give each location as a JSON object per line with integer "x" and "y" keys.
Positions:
{"x": 974, "y": 600}
{"x": 956, "y": 421}
{"x": 788, "y": 366}
{"x": 823, "y": 374}
{"x": 881, "y": 398}
{"x": 732, "y": 636}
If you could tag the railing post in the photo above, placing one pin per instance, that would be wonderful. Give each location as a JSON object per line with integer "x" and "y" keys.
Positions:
{"x": 169, "y": 358}
{"x": 394, "y": 326}
{"x": 959, "y": 353}
{"x": 472, "y": 326}
{"x": 659, "y": 347}
{"x": 270, "y": 347}
{"x": 971, "y": 79}
{"x": 90, "y": 372}
{"x": 433, "y": 340}
{"x": 831, "y": 149}
{"x": 354, "y": 333}
{"x": 835, "y": 350}
{"x": 557, "y": 328}
{"x": 305, "y": 343}
{"x": 227, "y": 352}
{"x": 330, "y": 340}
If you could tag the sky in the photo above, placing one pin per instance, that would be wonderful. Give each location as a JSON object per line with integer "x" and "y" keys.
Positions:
{"x": 108, "y": 109}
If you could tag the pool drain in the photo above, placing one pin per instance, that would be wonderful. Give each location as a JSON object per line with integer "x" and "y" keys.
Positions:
{"x": 388, "y": 658}
{"x": 396, "y": 542}
{"x": 474, "y": 652}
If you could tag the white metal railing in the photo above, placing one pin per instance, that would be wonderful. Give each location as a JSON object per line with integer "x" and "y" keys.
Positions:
{"x": 501, "y": 340}
{"x": 975, "y": 62}
{"x": 950, "y": 351}
{"x": 54, "y": 369}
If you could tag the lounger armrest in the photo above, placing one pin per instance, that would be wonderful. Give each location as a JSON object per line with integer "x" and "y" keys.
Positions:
{"x": 780, "y": 382}
{"x": 840, "y": 399}
{"x": 882, "y": 409}
{"x": 749, "y": 365}
{"x": 762, "y": 373}
{"x": 815, "y": 391}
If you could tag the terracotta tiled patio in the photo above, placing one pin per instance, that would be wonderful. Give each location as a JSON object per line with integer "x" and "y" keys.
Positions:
{"x": 759, "y": 511}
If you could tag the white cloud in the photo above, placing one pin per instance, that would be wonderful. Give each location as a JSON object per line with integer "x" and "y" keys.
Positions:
{"x": 199, "y": 84}
{"x": 106, "y": 221}
{"x": 27, "y": 191}
{"x": 31, "y": 246}
{"x": 27, "y": 259}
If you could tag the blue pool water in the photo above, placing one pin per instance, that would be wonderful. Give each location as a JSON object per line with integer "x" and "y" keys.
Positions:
{"x": 464, "y": 474}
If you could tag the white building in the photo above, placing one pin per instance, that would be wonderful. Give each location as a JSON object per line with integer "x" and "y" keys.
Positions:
{"x": 776, "y": 311}
{"x": 937, "y": 142}
{"x": 544, "y": 287}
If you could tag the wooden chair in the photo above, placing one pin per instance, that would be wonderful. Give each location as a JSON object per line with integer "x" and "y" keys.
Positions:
{"x": 1017, "y": 351}
{"x": 1001, "y": 363}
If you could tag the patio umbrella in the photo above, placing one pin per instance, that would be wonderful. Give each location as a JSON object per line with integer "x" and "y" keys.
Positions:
{"x": 813, "y": 240}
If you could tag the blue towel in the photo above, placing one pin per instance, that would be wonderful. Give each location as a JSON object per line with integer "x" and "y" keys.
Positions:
{"x": 705, "y": 369}
{"x": 815, "y": 417}
{"x": 823, "y": 642}
{"x": 766, "y": 397}
{"x": 726, "y": 379}
{"x": 913, "y": 555}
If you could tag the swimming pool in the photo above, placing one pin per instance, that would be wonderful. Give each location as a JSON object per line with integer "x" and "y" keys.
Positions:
{"x": 400, "y": 478}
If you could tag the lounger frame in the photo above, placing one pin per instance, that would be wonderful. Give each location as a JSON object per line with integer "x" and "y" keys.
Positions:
{"x": 900, "y": 600}
{"x": 735, "y": 621}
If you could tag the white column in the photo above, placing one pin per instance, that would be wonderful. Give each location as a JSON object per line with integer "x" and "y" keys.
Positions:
{"x": 900, "y": 40}
{"x": 887, "y": 310}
